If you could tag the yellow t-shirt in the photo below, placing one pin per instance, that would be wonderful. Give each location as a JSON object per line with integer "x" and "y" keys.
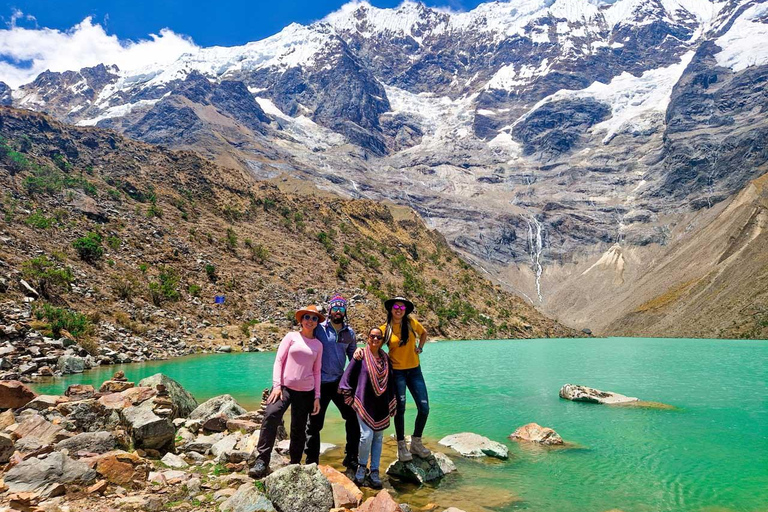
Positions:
{"x": 404, "y": 357}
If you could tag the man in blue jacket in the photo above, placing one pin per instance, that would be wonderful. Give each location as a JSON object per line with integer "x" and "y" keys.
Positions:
{"x": 339, "y": 344}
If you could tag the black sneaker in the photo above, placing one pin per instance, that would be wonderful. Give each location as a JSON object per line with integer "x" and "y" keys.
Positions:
{"x": 375, "y": 479}
{"x": 258, "y": 470}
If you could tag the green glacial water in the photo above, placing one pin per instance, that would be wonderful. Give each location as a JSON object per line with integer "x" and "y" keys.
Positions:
{"x": 710, "y": 454}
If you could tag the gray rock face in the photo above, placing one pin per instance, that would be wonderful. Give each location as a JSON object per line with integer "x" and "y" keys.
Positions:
{"x": 71, "y": 364}
{"x": 578, "y": 393}
{"x": 183, "y": 400}
{"x": 147, "y": 429}
{"x": 48, "y": 475}
{"x": 419, "y": 470}
{"x": 469, "y": 444}
{"x": 174, "y": 461}
{"x": 247, "y": 499}
{"x": 6, "y": 448}
{"x": 90, "y": 416}
{"x": 89, "y": 442}
{"x": 297, "y": 488}
{"x": 222, "y": 404}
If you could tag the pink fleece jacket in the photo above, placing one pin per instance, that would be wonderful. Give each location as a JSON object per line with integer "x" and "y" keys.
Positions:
{"x": 298, "y": 363}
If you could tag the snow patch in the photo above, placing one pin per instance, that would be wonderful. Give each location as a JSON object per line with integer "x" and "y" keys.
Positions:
{"x": 746, "y": 43}
{"x": 117, "y": 111}
{"x": 507, "y": 78}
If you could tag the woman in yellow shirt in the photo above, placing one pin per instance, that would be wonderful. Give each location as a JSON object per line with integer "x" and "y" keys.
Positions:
{"x": 405, "y": 337}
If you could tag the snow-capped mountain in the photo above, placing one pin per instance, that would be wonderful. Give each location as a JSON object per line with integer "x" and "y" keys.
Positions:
{"x": 528, "y": 132}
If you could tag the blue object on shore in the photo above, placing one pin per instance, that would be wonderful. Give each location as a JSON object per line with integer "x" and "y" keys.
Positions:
{"x": 218, "y": 299}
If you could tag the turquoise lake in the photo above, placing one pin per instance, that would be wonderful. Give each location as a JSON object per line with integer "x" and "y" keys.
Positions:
{"x": 709, "y": 454}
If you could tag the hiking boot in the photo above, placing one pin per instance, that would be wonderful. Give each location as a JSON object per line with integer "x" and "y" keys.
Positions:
{"x": 403, "y": 455}
{"x": 360, "y": 475}
{"x": 258, "y": 470}
{"x": 375, "y": 479}
{"x": 419, "y": 449}
{"x": 350, "y": 463}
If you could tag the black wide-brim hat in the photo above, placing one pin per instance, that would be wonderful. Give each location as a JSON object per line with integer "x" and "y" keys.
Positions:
{"x": 408, "y": 304}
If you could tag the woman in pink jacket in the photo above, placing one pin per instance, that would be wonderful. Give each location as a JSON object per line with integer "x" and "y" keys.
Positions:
{"x": 295, "y": 383}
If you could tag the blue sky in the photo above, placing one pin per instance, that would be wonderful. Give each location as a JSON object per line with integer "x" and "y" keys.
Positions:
{"x": 223, "y": 22}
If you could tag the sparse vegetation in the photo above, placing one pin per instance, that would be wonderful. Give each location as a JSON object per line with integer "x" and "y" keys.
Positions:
{"x": 45, "y": 276}
{"x": 89, "y": 247}
{"x": 165, "y": 288}
{"x": 62, "y": 319}
{"x": 38, "y": 220}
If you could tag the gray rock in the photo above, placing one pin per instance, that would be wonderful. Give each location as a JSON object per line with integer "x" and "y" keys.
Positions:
{"x": 6, "y": 448}
{"x": 297, "y": 488}
{"x": 223, "y": 447}
{"x": 70, "y": 364}
{"x": 578, "y": 393}
{"x": 420, "y": 470}
{"x": 535, "y": 433}
{"x": 174, "y": 461}
{"x": 183, "y": 400}
{"x": 48, "y": 475}
{"x": 88, "y": 442}
{"x": 247, "y": 498}
{"x": 202, "y": 444}
{"x": 469, "y": 444}
{"x": 147, "y": 429}
{"x": 222, "y": 404}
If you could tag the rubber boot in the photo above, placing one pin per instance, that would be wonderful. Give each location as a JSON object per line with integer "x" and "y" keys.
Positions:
{"x": 403, "y": 455}
{"x": 419, "y": 449}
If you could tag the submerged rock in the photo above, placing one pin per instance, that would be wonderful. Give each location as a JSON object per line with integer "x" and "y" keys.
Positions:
{"x": 297, "y": 488}
{"x": 535, "y": 433}
{"x": 469, "y": 444}
{"x": 422, "y": 470}
{"x": 578, "y": 393}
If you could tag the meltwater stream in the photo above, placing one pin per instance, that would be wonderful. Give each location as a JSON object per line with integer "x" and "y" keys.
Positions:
{"x": 710, "y": 454}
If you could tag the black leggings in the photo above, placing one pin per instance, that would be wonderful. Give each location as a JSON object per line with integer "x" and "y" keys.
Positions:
{"x": 301, "y": 403}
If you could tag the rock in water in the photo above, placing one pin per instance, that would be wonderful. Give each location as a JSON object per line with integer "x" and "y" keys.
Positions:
{"x": 578, "y": 393}
{"x": 469, "y": 444}
{"x": 47, "y": 476}
{"x": 183, "y": 400}
{"x": 420, "y": 470}
{"x": 345, "y": 493}
{"x": 535, "y": 433}
{"x": 297, "y": 488}
{"x": 247, "y": 498}
{"x": 14, "y": 394}
{"x": 71, "y": 364}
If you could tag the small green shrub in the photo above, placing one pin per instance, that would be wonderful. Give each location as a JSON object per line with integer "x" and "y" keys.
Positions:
{"x": 194, "y": 290}
{"x": 38, "y": 220}
{"x": 154, "y": 211}
{"x": 77, "y": 324}
{"x": 210, "y": 271}
{"x": 89, "y": 247}
{"x": 231, "y": 239}
{"x": 165, "y": 288}
{"x": 45, "y": 276}
{"x": 113, "y": 242}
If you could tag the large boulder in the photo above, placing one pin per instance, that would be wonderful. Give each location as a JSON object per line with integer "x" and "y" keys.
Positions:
{"x": 71, "y": 364}
{"x": 578, "y": 393}
{"x": 80, "y": 391}
{"x": 88, "y": 443}
{"x": 382, "y": 502}
{"x": 147, "y": 429}
{"x": 48, "y": 476}
{"x": 297, "y": 488}
{"x": 44, "y": 402}
{"x": 6, "y": 448}
{"x": 183, "y": 400}
{"x": 535, "y": 433}
{"x": 222, "y": 405}
{"x": 419, "y": 470}
{"x": 121, "y": 468}
{"x": 247, "y": 498}
{"x": 89, "y": 415}
{"x": 14, "y": 394}
{"x": 345, "y": 493}
{"x": 37, "y": 427}
{"x": 469, "y": 444}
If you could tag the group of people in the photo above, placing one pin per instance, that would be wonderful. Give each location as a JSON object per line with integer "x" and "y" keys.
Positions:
{"x": 321, "y": 363}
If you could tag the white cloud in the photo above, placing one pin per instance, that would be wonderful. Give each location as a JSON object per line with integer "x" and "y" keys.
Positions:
{"x": 85, "y": 44}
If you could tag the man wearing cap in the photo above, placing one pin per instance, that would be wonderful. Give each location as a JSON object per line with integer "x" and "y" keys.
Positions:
{"x": 339, "y": 344}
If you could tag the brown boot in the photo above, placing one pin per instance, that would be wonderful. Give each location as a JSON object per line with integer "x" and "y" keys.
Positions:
{"x": 403, "y": 455}
{"x": 419, "y": 449}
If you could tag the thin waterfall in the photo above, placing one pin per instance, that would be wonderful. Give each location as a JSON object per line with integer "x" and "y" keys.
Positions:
{"x": 535, "y": 246}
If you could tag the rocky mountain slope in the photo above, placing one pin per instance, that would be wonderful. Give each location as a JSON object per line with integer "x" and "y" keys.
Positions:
{"x": 530, "y": 134}
{"x": 125, "y": 242}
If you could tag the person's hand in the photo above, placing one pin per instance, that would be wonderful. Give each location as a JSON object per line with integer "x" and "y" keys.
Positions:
{"x": 316, "y": 407}
{"x": 275, "y": 395}
{"x": 358, "y": 355}
{"x": 419, "y": 350}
